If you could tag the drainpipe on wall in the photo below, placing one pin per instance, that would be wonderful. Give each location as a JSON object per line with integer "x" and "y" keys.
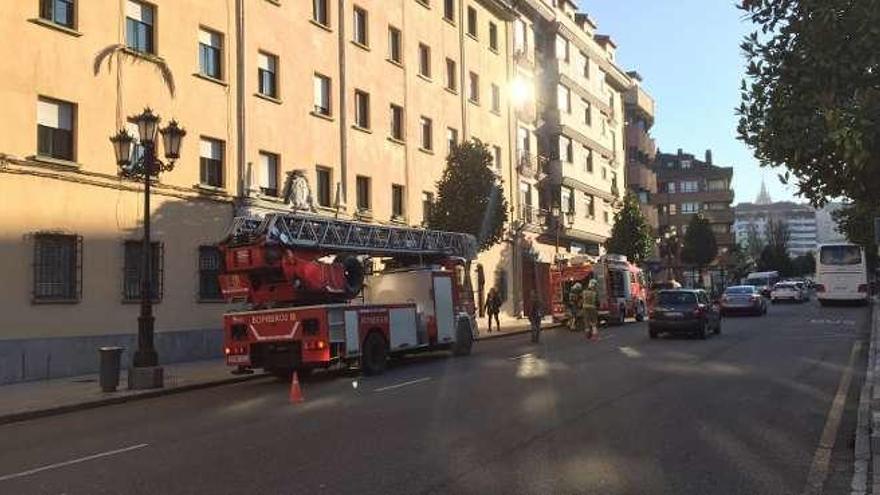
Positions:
{"x": 240, "y": 97}
{"x": 462, "y": 80}
{"x": 343, "y": 120}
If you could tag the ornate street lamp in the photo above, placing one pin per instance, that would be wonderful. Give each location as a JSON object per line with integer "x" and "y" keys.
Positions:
{"x": 145, "y": 372}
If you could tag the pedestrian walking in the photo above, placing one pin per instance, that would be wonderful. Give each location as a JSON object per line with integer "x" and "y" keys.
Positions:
{"x": 590, "y": 305}
{"x": 536, "y": 315}
{"x": 493, "y": 307}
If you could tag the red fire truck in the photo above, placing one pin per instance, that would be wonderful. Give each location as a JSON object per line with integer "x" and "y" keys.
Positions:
{"x": 620, "y": 284}
{"x": 313, "y": 300}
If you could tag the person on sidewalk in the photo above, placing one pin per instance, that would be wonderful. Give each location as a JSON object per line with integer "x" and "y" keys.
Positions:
{"x": 493, "y": 307}
{"x": 536, "y": 315}
{"x": 575, "y": 305}
{"x": 590, "y": 301}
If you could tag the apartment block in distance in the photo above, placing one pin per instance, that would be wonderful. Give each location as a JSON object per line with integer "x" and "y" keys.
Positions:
{"x": 688, "y": 186}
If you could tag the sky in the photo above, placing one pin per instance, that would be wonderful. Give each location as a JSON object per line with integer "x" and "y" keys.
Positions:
{"x": 687, "y": 52}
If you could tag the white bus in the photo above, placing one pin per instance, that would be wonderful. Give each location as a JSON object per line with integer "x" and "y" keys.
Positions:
{"x": 841, "y": 274}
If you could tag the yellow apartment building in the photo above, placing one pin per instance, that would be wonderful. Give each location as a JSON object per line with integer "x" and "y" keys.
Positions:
{"x": 362, "y": 98}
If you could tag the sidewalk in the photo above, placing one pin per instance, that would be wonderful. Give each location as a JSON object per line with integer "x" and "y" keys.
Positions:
{"x": 866, "y": 449}
{"x": 510, "y": 326}
{"x": 28, "y": 400}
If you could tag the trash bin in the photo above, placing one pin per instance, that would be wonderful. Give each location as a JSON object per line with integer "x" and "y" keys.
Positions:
{"x": 110, "y": 359}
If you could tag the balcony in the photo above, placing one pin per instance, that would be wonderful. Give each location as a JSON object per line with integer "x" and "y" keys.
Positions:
{"x": 719, "y": 216}
{"x": 641, "y": 100}
{"x": 724, "y": 196}
{"x": 641, "y": 177}
{"x": 532, "y": 216}
{"x": 525, "y": 58}
{"x": 641, "y": 141}
{"x": 530, "y": 166}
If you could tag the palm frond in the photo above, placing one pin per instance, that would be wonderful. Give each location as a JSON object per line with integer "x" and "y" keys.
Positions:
{"x": 105, "y": 54}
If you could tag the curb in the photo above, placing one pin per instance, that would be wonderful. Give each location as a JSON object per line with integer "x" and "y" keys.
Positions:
{"x": 107, "y": 401}
{"x": 501, "y": 335}
{"x": 866, "y": 450}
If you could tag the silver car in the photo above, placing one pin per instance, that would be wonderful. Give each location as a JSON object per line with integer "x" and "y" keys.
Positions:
{"x": 743, "y": 299}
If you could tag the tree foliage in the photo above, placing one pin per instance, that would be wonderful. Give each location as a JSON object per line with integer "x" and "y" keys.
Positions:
{"x": 811, "y": 97}
{"x": 470, "y": 197}
{"x": 754, "y": 243}
{"x": 700, "y": 246}
{"x": 856, "y": 222}
{"x": 631, "y": 234}
{"x": 741, "y": 264}
{"x": 803, "y": 265}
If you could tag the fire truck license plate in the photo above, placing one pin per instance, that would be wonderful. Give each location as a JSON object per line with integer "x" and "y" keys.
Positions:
{"x": 243, "y": 359}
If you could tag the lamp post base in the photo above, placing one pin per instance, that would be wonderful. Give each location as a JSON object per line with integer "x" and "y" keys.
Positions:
{"x": 145, "y": 377}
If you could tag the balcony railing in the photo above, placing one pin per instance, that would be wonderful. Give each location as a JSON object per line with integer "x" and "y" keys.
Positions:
{"x": 525, "y": 58}
{"x": 532, "y": 215}
{"x": 530, "y": 166}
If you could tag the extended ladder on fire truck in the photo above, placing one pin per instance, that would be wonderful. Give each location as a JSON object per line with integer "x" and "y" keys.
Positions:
{"x": 304, "y": 231}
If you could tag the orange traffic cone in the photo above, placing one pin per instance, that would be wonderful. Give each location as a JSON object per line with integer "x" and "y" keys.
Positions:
{"x": 296, "y": 394}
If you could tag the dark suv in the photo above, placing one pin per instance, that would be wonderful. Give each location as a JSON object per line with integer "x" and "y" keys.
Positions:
{"x": 684, "y": 311}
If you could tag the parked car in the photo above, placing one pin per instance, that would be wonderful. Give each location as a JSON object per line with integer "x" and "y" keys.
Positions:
{"x": 743, "y": 299}
{"x": 787, "y": 291}
{"x": 684, "y": 311}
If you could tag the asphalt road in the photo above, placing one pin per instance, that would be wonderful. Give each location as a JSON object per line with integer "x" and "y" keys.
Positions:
{"x": 740, "y": 413}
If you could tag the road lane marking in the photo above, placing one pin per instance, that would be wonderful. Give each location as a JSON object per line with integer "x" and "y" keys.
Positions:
{"x": 404, "y": 384}
{"x": 72, "y": 461}
{"x": 822, "y": 458}
{"x": 630, "y": 352}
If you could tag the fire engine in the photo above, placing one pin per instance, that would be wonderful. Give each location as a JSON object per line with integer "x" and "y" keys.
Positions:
{"x": 620, "y": 285}
{"x": 314, "y": 300}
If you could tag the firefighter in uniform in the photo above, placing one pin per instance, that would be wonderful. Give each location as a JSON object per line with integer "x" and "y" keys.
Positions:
{"x": 590, "y": 309}
{"x": 576, "y": 319}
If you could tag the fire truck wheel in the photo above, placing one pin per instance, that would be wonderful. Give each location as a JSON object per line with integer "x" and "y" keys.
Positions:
{"x": 374, "y": 357}
{"x": 464, "y": 339}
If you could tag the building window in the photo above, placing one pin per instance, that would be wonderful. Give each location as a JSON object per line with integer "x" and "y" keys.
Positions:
{"x": 58, "y": 11}
{"x": 361, "y": 109}
{"x": 397, "y": 209}
{"x": 590, "y": 201}
{"x": 427, "y": 205}
{"x": 588, "y": 162}
{"x": 686, "y": 164}
{"x": 322, "y": 94}
{"x": 268, "y": 173}
{"x": 361, "y": 35}
{"x": 670, "y": 187}
{"x": 55, "y": 122}
{"x": 322, "y": 185}
{"x": 563, "y": 98}
{"x": 606, "y": 217}
{"x": 267, "y": 74}
{"x": 449, "y": 10}
{"x": 524, "y": 141}
{"x": 211, "y": 162}
{"x": 520, "y": 39}
{"x": 140, "y": 26}
{"x": 717, "y": 185}
{"x": 690, "y": 186}
{"x": 604, "y": 173}
{"x": 451, "y": 75}
{"x": 566, "y": 200}
{"x": 588, "y": 113}
{"x": 474, "y": 87}
{"x": 472, "y": 21}
{"x": 397, "y": 122}
{"x": 133, "y": 271}
{"x": 427, "y": 133}
{"x": 451, "y": 139}
{"x": 425, "y": 60}
{"x": 57, "y": 268}
{"x": 209, "y": 273}
{"x": 497, "y": 154}
{"x": 586, "y": 60}
{"x": 561, "y": 48}
{"x": 363, "y": 193}
{"x": 395, "y": 53}
{"x": 496, "y": 98}
{"x": 321, "y": 12}
{"x": 690, "y": 207}
{"x": 210, "y": 53}
{"x": 493, "y": 36}
{"x": 566, "y": 152}
{"x": 672, "y": 209}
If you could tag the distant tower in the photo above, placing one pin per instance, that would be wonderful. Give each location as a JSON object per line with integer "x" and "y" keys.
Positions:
{"x": 763, "y": 196}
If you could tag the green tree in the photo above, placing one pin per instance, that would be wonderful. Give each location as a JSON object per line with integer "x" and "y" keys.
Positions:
{"x": 700, "y": 246}
{"x": 470, "y": 197}
{"x": 803, "y": 265}
{"x": 856, "y": 222}
{"x": 741, "y": 264}
{"x": 811, "y": 97}
{"x": 631, "y": 234}
{"x": 754, "y": 243}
